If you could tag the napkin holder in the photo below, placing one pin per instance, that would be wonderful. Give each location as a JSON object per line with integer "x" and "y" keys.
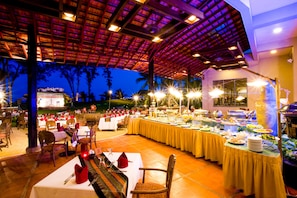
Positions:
{"x": 81, "y": 174}
{"x": 123, "y": 161}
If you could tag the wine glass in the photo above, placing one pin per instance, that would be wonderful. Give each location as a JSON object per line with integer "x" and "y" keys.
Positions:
{"x": 110, "y": 157}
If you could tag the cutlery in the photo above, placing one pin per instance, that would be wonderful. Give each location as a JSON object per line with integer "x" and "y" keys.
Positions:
{"x": 68, "y": 178}
{"x": 93, "y": 181}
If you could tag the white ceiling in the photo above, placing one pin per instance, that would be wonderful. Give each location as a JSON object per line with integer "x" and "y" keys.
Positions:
{"x": 260, "y": 17}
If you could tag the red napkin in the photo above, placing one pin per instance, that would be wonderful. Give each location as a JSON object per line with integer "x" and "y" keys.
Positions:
{"x": 81, "y": 174}
{"x": 123, "y": 161}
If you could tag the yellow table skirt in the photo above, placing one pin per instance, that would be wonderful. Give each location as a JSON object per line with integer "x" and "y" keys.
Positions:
{"x": 254, "y": 173}
{"x": 133, "y": 126}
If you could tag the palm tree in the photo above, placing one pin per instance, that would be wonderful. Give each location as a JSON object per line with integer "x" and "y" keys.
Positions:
{"x": 119, "y": 94}
{"x": 91, "y": 74}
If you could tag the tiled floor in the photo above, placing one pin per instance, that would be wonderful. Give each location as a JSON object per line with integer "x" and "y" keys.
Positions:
{"x": 193, "y": 178}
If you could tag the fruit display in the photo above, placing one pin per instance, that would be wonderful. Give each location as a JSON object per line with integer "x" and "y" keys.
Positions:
{"x": 289, "y": 148}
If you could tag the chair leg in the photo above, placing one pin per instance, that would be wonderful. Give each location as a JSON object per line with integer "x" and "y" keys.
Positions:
{"x": 53, "y": 157}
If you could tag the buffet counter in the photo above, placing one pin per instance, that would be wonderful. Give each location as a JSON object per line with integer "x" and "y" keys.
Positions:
{"x": 255, "y": 173}
{"x": 200, "y": 143}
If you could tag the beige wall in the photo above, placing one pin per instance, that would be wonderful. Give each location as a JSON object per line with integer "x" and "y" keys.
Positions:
{"x": 276, "y": 67}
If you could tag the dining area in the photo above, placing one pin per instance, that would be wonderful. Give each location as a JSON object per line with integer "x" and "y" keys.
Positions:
{"x": 114, "y": 182}
{"x": 192, "y": 177}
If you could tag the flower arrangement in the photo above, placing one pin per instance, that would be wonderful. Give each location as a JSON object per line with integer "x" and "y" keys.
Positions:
{"x": 187, "y": 118}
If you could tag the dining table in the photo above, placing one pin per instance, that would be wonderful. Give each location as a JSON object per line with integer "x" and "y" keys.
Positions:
{"x": 54, "y": 185}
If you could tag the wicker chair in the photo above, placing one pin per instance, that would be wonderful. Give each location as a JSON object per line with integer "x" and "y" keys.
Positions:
{"x": 51, "y": 125}
{"x": 70, "y": 122}
{"x": 155, "y": 190}
{"x": 21, "y": 122}
{"x": 47, "y": 144}
{"x": 124, "y": 123}
{"x": 87, "y": 139}
{"x": 5, "y": 130}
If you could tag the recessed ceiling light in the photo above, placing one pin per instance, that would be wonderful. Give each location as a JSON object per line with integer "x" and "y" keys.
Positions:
{"x": 196, "y": 55}
{"x": 232, "y": 48}
{"x": 277, "y": 30}
{"x": 157, "y": 39}
{"x": 192, "y": 19}
{"x": 114, "y": 28}
{"x": 273, "y": 51}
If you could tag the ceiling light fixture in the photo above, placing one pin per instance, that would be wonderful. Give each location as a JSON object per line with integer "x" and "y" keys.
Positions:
{"x": 191, "y": 19}
{"x": 157, "y": 39}
{"x": 206, "y": 62}
{"x": 68, "y": 16}
{"x": 273, "y": 51}
{"x": 232, "y": 48}
{"x": 196, "y": 55}
{"x": 238, "y": 56}
{"x": 277, "y": 30}
{"x": 114, "y": 28}
{"x": 140, "y": 1}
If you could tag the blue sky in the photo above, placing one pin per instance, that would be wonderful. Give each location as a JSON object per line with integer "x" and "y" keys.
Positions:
{"x": 121, "y": 79}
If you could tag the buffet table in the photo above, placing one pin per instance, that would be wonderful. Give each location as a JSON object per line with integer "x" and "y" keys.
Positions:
{"x": 200, "y": 143}
{"x": 256, "y": 174}
{"x": 53, "y": 185}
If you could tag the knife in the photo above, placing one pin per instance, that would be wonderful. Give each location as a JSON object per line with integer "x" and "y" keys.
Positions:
{"x": 68, "y": 178}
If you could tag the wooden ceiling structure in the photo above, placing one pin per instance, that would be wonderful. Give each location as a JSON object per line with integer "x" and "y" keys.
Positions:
{"x": 88, "y": 41}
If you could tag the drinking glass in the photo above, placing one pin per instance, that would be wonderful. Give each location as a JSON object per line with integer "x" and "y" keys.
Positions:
{"x": 110, "y": 157}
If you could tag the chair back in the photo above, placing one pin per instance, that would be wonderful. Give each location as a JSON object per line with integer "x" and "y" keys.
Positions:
{"x": 51, "y": 124}
{"x": 70, "y": 122}
{"x": 46, "y": 138}
{"x": 170, "y": 170}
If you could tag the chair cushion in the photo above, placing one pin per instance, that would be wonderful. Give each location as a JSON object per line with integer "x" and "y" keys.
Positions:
{"x": 149, "y": 186}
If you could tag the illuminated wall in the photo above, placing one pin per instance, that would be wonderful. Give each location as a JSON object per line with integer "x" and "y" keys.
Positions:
{"x": 48, "y": 99}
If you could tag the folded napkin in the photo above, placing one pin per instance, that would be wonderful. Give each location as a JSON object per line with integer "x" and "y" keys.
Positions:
{"x": 123, "y": 161}
{"x": 81, "y": 174}
{"x": 76, "y": 126}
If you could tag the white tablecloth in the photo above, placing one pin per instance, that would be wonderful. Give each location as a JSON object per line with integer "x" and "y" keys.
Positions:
{"x": 108, "y": 125}
{"x": 53, "y": 186}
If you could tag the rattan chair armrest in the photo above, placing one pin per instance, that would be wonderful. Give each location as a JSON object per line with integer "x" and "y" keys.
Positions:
{"x": 149, "y": 191}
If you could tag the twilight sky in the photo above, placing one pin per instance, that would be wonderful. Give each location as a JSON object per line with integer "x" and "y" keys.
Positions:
{"x": 121, "y": 79}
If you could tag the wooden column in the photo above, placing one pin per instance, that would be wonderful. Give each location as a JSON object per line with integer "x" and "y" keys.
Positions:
{"x": 32, "y": 89}
{"x": 151, "y": 71}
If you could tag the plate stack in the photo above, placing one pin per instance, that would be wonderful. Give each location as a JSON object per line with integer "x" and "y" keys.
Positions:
{"x": 255, "y": 144}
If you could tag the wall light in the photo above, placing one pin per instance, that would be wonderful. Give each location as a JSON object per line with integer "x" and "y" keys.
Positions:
{"x": 215, "y": 93}
{"x": 257, "y": 83}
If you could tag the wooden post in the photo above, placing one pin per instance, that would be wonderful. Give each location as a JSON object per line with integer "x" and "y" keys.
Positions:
{"x": 32, "y": 90}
